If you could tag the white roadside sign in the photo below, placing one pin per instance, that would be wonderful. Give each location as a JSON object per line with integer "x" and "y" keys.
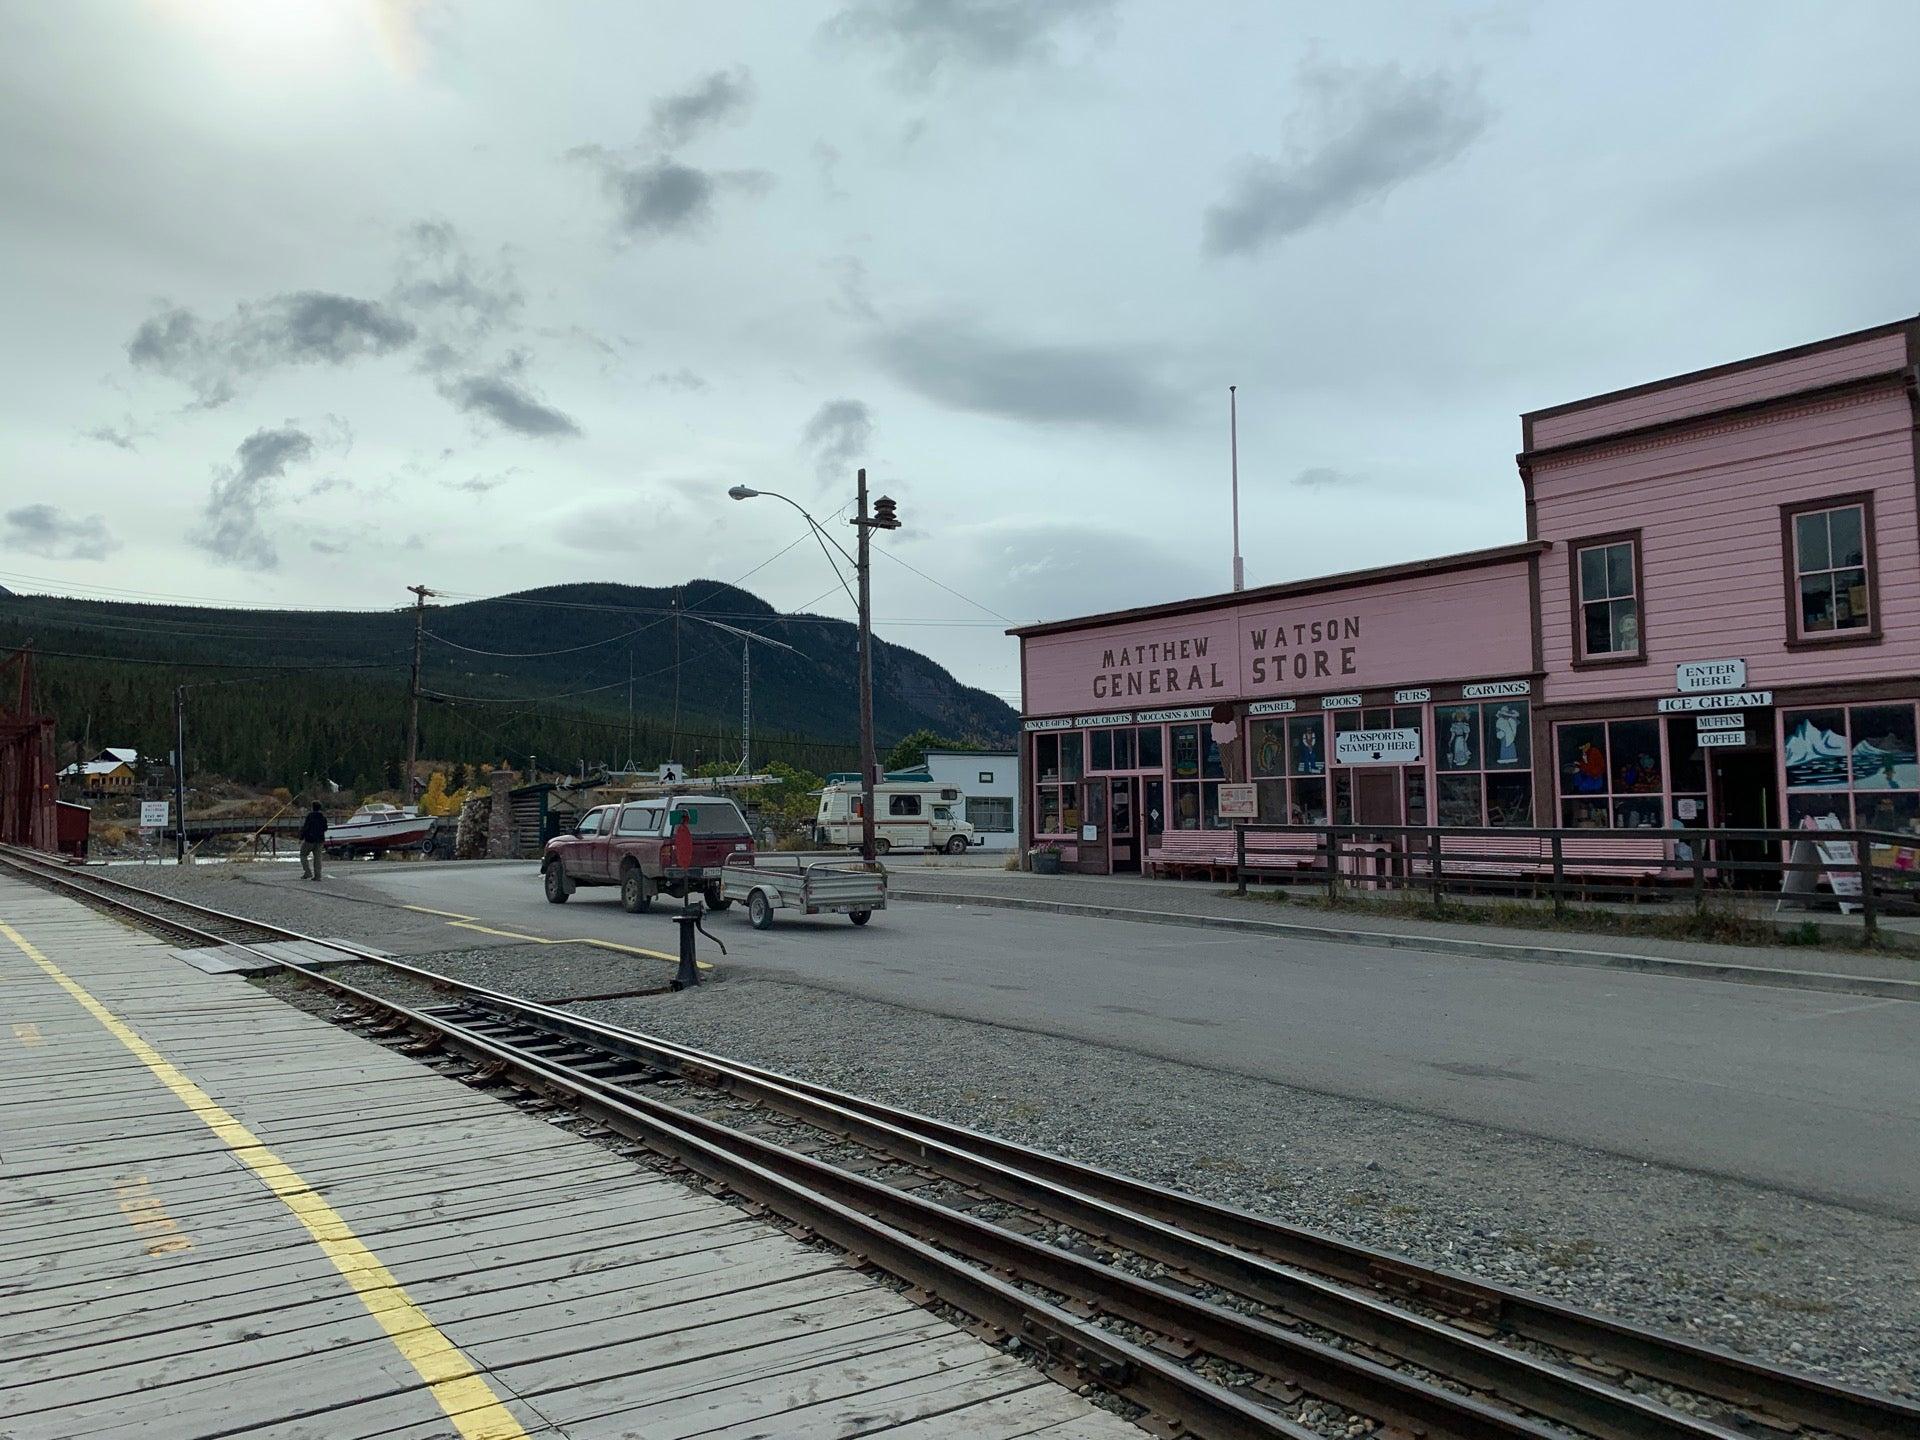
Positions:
{"x": 154, "y": 814}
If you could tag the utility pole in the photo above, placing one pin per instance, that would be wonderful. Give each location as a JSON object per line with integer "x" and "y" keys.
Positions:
{"x": 179, "y": 774}
{"x": 420, "y": 594}
{"x": 1233, "y": 445}
{"x": 882, "y": 518}
{"x": 673, "y": 750}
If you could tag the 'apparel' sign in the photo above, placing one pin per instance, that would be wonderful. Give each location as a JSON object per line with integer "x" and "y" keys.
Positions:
{"x": 1695, "y": 676}
{"x": 1377, "y": 747}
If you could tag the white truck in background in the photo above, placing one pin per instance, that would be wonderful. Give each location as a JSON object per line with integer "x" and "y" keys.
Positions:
{"x": 907, "y": 815}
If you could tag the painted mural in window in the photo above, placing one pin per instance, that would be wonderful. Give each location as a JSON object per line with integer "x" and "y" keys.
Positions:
{"x": 1610, "y": 775}
{"x": 1830, "y": 570}
{"x": 1609, "y": 600}
{"x": 1197, "y": 773}
{"x": 1290, "y": 768}
{"x": 1483, "y": 759}
{"x": 1855, "y": 763}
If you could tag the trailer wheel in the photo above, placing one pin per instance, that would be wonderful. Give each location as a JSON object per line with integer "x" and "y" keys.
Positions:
{"x": 636, "y": 896}
{"x": 555, "y": 882}
{"x": 860, "y": 917}
{"x": 759, "y": 911}
{"x": 957, "y": 845}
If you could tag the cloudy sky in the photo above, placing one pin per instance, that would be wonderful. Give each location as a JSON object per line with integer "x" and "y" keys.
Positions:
{"x": 314, "y": 299}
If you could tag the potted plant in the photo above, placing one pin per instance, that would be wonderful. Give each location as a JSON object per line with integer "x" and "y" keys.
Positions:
{"x": 1045, "y": 858}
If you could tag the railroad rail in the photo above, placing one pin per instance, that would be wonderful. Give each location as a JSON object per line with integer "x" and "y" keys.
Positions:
{"x": 1213, "y": 1321}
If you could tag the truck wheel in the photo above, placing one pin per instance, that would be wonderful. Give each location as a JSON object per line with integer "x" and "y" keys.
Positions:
{"x": 860, "y": 917}
{"x": 957, "y": 845}
{"x": 555, "y": 881}
{"x": 882, "y": 845}
{"x": 636, "y": 896}
{"x": 716, "y": 898}
{"x": 759, "y": 911}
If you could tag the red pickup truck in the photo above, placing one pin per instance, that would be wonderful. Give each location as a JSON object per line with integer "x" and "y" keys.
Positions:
{"x": 631, "y": 845}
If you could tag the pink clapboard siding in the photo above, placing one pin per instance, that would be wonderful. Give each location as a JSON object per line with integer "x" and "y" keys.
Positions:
{"x": 1708, "y": 506}
{"x": 1717, "y": 392}
{"x": 1461, "y": 625}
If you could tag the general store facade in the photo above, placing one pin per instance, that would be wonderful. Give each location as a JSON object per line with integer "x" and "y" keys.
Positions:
{"x": 1713, "y": 622}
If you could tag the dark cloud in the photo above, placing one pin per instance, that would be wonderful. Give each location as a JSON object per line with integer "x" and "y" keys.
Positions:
{"x": 46, "y": 531}
{"x": 329, "y": 547}
{"x": 501, "y": 398}
{"x": 722, "y": 96}
{"x": 838, "y": 435}
{"x": 1360, "y": 131}
{"x": 826, "y": 160}
{"x": 963, "y": 367}
{"x": 660, "y": 197}
{"x": 1324, "y": 477}
{"x": 457, "y": 301}
{"x": 307, "y": 327}
{"x": 124, "y": 436}
{"x": 852, "y": 295}
{"x": 482, "y": 484}
{"x": 230, "y": 529}
{"x": 925, "y": 37}
{"x": 682, "y": 379}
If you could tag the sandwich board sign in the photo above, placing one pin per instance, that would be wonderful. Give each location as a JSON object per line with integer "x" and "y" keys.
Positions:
{"x": 1836, "y": 861}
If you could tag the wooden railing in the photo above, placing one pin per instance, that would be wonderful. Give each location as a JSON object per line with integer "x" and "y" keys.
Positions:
{"x": 1877, "y": 872}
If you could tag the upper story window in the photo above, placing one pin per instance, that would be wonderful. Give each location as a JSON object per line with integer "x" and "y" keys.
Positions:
{"x": 1830, "y": 570}
{"x": 1606, "y": 584}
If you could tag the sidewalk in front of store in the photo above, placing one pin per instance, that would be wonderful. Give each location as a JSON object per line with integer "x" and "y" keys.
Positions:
{"x": 1830, "y": 966}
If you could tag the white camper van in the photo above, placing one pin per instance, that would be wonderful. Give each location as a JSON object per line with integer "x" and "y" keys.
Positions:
{"x": 908, "y": 815}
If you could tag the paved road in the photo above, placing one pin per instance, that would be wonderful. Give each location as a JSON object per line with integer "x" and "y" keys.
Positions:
{"x": 1814, "y": 1094}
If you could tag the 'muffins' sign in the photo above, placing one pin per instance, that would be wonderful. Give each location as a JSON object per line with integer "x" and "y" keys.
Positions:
{"x": 1418, "y": 629}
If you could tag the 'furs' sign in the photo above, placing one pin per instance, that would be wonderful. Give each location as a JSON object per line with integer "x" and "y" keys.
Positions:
{"x": 1157, "y": 667}
{"x": 1307, "y": 650}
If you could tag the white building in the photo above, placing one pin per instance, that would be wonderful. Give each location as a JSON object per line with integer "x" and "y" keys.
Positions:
{"x": 991, "y": 785}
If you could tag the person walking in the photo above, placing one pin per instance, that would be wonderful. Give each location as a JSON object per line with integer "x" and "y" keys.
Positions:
{"x": 313, "y": 842}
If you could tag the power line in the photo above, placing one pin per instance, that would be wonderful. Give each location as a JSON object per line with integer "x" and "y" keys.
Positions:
{"x": 948, "y": 588}
{"x": 218, "y": 664}
{"x": 544, "y": 654}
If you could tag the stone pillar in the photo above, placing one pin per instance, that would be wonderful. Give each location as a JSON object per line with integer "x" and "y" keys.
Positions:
{"x": 500, "y": 820}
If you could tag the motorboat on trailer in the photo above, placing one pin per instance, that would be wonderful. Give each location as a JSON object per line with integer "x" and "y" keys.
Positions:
{"x": 380, "y": 827}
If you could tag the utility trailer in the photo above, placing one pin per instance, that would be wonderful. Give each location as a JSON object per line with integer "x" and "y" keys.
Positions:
{"x": 809, "y": 884}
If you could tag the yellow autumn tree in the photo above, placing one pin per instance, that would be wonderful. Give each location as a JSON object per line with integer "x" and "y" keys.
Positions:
{"x": 436, "y": 800}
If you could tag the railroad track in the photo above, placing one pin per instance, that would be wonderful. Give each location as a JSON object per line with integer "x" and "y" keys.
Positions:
{"x": 1206, "y": 1319}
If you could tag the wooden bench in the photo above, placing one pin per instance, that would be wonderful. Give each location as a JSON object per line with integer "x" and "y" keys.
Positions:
{"x": 1595, "y": 857}
{"x": 1212, "y": 853}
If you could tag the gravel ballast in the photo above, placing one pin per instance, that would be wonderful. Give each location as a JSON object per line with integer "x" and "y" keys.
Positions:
{"x": 1818, "y": 1286}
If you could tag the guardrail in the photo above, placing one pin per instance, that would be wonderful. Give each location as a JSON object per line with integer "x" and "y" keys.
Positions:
{"x": 1876, "y": 871}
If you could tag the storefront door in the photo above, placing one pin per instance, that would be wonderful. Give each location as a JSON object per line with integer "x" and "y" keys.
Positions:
{"x": 1745, "y": 797}
{"x": 1096, "y": 829}
{"x": 1376, "y": 795}
{"x": 1124, "y": 825}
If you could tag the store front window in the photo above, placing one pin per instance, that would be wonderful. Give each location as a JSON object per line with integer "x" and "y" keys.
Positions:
{"x": 1197, "y": 771}
{"x": 1855, "y": 764}
{"x": 1483, "y": 763}
{"x": 1610, "y": 775}
{"x": 1290, "y": 768}
{"x": 1056, "y": 788}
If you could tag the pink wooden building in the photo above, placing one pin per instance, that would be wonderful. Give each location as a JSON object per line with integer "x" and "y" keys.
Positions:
{"x": 1714, "y": 621}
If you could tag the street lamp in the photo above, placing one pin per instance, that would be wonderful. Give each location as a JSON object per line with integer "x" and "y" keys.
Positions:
{"x": 882, "y": 517}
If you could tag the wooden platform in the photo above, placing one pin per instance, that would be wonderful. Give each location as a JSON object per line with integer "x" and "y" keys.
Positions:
{"x": 222, "y": 1216}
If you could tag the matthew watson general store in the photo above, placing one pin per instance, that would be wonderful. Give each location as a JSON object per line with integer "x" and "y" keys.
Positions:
{"x": 1714, "y": 621}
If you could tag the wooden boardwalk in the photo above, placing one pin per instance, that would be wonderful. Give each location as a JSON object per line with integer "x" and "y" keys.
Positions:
{"x": 222, "y": 1216}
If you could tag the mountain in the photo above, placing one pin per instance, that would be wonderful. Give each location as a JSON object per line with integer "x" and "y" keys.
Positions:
{"x": 536, "y": 672}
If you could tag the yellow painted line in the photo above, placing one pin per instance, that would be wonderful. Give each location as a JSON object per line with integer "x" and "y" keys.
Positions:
{"x": 28, "y": 1034}
{"x": 465, "y": 1396}
{"x": 428, "y": 910}
{"x": 581, "y": 940}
